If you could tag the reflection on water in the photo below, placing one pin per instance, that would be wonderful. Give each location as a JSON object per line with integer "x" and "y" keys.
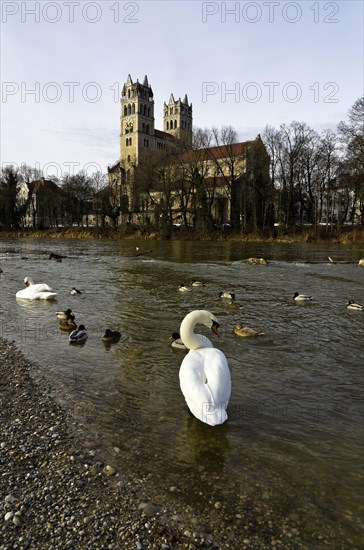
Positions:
{"x": 295, "y": 426}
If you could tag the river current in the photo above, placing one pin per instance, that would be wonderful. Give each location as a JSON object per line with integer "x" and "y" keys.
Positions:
{"x": 295, "y": 428}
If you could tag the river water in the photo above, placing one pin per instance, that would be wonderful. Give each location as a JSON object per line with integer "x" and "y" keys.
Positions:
{"x": 295, "y": 430}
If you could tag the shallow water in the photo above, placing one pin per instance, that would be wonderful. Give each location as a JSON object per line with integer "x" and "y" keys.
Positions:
{"x": 295, "y": 428}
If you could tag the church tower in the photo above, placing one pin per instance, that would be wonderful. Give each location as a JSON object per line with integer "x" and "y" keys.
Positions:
{"x": 136, "y": 122}
{"x": 177, "y": 119}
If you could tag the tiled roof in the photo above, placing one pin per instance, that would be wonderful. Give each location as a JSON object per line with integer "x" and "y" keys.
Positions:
{"x": 37, "y": 186}
{"x": 164, "y": 135}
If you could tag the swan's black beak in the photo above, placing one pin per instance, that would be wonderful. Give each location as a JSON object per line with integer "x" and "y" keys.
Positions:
{"x": 215, "y": 327}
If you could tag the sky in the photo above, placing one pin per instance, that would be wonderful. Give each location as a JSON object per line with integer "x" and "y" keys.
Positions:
{"x": 242, "y": 64}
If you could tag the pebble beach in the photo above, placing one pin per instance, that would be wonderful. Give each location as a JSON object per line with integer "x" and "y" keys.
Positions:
{"x": 57, "y": 492}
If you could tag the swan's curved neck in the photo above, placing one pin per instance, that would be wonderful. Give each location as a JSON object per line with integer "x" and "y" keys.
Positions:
{"x": 188, "y": 336}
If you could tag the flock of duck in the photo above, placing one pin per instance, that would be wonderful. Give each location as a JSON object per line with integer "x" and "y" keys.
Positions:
{"x": 77, "y": 334}
{"x": 204, "y": 373}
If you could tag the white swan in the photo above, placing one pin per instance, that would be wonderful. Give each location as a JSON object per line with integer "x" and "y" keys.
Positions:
{"x": 204, "y": 373}
{"x": 33, "y": 291}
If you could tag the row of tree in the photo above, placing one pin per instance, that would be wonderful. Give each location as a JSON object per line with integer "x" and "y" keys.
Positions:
{"x": 290, "y": 175}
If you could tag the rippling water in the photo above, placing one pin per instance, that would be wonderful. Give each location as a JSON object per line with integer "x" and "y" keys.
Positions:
{"x": 295, "y": 413}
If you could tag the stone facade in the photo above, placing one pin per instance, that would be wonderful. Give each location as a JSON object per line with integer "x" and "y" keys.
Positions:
{"x": 138, "y": 135}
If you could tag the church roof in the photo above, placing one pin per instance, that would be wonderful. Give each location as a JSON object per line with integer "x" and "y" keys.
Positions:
{"x": 217, "y": 152}
{"x": 42, "y": 185}
{"x": 163, "y": 135}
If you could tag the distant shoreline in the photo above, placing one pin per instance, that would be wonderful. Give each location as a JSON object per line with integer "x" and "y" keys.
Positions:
{"x": 320, "y": 235}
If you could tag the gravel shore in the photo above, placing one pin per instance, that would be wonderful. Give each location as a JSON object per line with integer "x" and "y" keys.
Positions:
{"x": 58, "y": 493}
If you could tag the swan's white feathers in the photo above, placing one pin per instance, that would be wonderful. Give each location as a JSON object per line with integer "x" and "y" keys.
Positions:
{"x": 39, "y": 291}
{"x": 204, "y": 374}
{"x": 207, "y": 388}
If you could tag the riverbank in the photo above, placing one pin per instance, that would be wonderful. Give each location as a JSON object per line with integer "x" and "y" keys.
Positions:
{"x": 61, "y": 490}
{"x": 323, "y": 234}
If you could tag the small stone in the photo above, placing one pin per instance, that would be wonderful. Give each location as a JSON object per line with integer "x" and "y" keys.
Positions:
{"x": 173, "y": 489}
{"x": 10, "y": 499}
{"x": 16, "y": 521}
{"x": 8, "y": 515}
{"x": 109, "y": 470}
{"x": 218, "y": 505}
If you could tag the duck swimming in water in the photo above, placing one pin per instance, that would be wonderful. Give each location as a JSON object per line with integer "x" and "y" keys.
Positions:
{"x": 234, "y": 305}
{"x": 301, "y": 297}
{"x": 227, "y": 295}
{"x": 111, "y": 336}
{"x": 75, "y": 291}
{"x": 68, "y": 323}
{"x": 239, "y": 330}
{"x": 352, "y": 305}
{"x": 176, "y": 342}
{"x": 184, "y": 288}
{"x": 79, "y": 335}
{"x": 197, "y": 283}
{"x": 64, "y": 314}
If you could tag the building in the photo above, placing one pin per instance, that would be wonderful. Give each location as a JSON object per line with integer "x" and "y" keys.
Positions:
{"x": 142, "y": 147}
{"x": 43, "y": 202}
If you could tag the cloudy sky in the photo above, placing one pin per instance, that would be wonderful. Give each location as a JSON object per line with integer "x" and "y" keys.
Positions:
{"x": 245, "y": 64}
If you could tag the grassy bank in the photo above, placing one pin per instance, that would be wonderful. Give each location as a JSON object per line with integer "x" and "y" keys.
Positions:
{"x": 309, "y": 235}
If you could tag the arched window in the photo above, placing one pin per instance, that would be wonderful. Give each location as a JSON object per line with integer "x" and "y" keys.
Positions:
{"x": 145, "y": 110}
{"x": 175, "y": 123}
{"x": 129, "y": 109}
{"x": 128, "y": 94}
{"x": 148, "y": 111}
{"x": 128, "y": 158}
{"x": 167, "y": 125}
{"x": 125, "y": 111}
{"x": 130, "y": 141}
{"x": 147, "y": 129}
{"x": 133, "y": 109}
{"x": 141, "y": 109}
{"x": 143, "y": 127}
{"x": 171, "y": 111}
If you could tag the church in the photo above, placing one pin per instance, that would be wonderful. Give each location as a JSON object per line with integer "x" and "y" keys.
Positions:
{"x": 141, "y": 145}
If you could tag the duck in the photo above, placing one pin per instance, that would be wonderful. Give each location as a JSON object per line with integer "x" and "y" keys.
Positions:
{"x": 69, "y": 323}
{"x": 197, "y": 283}
{"x": 352, "y": 305}
{"x": 55, "y": 257}
{"x": 239, "y": 330}
{"x": 64, "y": 314}
{"x": 184, "y": 288}
{"x": 111, "y": 336}
{"x": 40, "y": 291}
{"x": 204, "y": 374}
{"x": 79, "y": 335}
{"x": 75, "y": 291}
{"x": 227, "y": 295}
{"x": 176, "y": 341}
{"x": 234, "y": 305}
{"x": 301, "y": 297}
